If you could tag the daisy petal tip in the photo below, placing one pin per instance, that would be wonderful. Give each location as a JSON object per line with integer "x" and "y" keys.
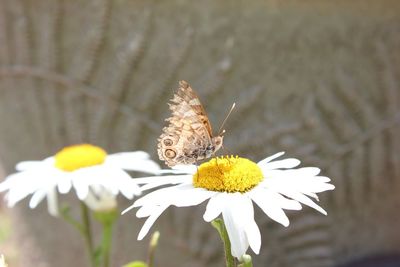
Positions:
{"x": 143, "y": 232}
{"x": 207, "y": 218}
{"x": 127, "y": 209}
{"x": 321, "y": 210}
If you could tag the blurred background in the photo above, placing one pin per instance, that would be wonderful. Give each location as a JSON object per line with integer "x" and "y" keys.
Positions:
{"x": 317, "y": 79}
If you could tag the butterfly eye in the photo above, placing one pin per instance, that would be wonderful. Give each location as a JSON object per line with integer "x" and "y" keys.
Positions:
{"x": 168, "y": 142}
{"x": 169, "y": 153}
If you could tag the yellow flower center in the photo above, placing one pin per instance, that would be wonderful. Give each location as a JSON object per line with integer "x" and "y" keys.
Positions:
{"x": 75, "y": 157}
{"x": 228, "y": 174}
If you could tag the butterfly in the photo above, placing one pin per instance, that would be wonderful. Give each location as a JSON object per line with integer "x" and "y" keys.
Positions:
{"x": 188, "y": 137}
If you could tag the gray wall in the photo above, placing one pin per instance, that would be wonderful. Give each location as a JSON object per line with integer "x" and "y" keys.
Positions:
{"x": 319, "y": 80}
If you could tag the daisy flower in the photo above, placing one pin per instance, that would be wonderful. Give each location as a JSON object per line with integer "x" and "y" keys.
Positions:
{"x": 96, "y": 177}
{"x": 231, "y": 185}
{"x": 3, "y": 261}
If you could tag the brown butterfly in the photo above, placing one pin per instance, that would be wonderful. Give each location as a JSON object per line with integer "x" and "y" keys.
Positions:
{"x": 188, "y": 137}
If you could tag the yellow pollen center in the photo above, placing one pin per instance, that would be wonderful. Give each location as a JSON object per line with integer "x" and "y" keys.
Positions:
{"x": 228, "y": 174}
{"x": 75, "y": 157}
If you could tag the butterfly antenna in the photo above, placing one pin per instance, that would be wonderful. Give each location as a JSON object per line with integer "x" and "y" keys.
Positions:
{"x": 220, "y": 131}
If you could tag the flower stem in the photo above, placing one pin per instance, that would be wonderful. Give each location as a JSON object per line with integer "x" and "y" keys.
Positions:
{"x": 220, "y": 226}
{"x": 107, "y": 220}
{"x": 68, "y": 218}
{"x": 106, "y": 243}
{"x": 87, "y": 233}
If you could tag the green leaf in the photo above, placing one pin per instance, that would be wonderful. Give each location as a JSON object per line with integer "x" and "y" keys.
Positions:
{"x": 136, "y": 264}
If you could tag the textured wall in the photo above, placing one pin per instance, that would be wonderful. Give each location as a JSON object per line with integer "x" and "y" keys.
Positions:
{"x": 318, "y": 80}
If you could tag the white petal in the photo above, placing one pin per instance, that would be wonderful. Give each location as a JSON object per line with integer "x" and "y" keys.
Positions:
{"x": 153, "y": 185}
{"x": 181, "y": 196}
{"x": 157, "y": 197}
{"x": 324, "y": 179}
{"x": 9, "y": 182}
{"x": 294, "y": 173}
{"x": 52, "y": 202}
{"x": 189, "y": 169}
{"x": 280, "y": 164}
{"x": 156, "y": 181}
{"x": 25, "y": 165}
{"x": 133, "y": 161}
{"x": 127, "y": 209}
{"x": 300, "y": 184}
{"x": 308, "y": 171}
{"x": 129, "y": 189}
{"x": 146, "y": 211}
{"x": 275, "y": 198}
{"x": 24, "y": 181}
{"x": 150, "y": 221}
{"x": 267, "y": 202}
{"x": 81, "y": 187}
{"x": 95, "y": 176}
{"x": 37, "y": 197}
{"x": 214, "y": 207}
{"x": 179, "y": 169}
{"x": 18, "y": 192}
{"x": 129, "y": 156}
{"x": 13, "y": 197}
{"x": 268, "y": 159}
{"x": 118, "y": 180}
{"x": 187, "y": 196}
{"x": 64, "y": 184}
{"x": 304, "y": 199}
{"x": 235, "y": 215}
{"x": 311, "y": 194}
{"x": 253, "y": 235}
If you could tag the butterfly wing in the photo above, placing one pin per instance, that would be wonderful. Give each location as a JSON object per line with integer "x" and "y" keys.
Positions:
{"x": 189, "y": 96}
{"x": 188, "y": 137}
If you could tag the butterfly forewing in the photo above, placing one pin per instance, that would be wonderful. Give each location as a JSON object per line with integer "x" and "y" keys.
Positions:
{"x": 188, "y": 137}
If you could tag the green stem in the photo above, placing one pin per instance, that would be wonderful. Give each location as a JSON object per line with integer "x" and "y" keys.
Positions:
{"x": 220, "y": 226}
{"x": 107, "y": 220}
{"x": 69, "y": 219}
{"x": 106, "y": 243}
{"x": 87, "y": 234}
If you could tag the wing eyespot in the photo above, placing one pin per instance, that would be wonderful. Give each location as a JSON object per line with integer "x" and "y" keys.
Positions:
{"x": 169, "y": 153}
{"x": 168, "y": 142}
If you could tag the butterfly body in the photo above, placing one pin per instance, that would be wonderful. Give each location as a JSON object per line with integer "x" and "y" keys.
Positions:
{"x": 188, "y": 136}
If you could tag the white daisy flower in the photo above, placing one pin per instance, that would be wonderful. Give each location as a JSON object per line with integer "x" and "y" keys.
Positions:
{"x": 2, "y": 261}
{"x": 231, "y": 185}
{"x": 96, "y": 177}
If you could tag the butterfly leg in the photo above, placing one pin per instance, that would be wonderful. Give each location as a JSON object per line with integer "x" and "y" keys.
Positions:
{"x": 219, "y": 169}
{"x": 229, "y": 152}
